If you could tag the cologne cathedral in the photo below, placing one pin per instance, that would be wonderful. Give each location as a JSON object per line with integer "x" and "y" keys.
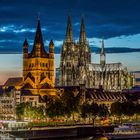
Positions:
{"x": 38, "y": 66}
{"x": 76, "y": 67}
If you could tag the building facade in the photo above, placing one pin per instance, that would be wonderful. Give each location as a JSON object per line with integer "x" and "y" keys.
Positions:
{"x": 96, "y": 95}
{"x": 57, "y": 77}
{"x": 9, "y": 99}
{"x": 38, "y": 66}
{"x": 76, "y": 67}
{"x": 74, "y": 56}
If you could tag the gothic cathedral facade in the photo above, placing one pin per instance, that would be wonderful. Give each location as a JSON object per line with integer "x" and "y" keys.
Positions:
{"x": 76, "y": 67}
{"x": 73, "y": 56}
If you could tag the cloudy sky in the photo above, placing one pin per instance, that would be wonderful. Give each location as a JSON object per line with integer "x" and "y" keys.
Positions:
{"x": 119, "y": 20}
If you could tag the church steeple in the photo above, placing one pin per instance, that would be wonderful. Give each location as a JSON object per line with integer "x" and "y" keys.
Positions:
{"x": 82, "y": 32}
{"x": 102, "y": 54}
{"x": 102, "y": 50}
{"x": 38, "y": 37}
{"x": 38, "y": 47}
{"x": 25, "y": 49}
{"x": 69, "y": 35}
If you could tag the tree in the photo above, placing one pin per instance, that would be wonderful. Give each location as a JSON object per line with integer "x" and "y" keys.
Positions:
{"x": 117, "y": 110}
{"x": 85, "y": 110}
{"x": 20, "y": 111}
{"x": 55, "y": 109}
{"x": 103, "y": 111}
{"x": 128, "y": 108}
{"x": 94, "y": 108}
{"x": 71, "y": 101}
{"x": 26, "y": 110}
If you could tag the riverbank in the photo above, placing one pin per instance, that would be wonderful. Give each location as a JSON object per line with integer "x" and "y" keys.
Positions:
{"x": 62, "y": 132}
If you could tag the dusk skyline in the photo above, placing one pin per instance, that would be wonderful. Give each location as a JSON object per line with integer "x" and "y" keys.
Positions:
{"x": 118, "y": 20}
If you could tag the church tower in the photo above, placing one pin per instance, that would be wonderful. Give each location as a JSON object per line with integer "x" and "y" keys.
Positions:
{"x": 69, "y": 58}
{"x": 25, "y": 57}
{"x": 69, "y": 34}
{"x": 102, "y": 54}
{"x": 51, "y": 61}
{"x": 74, "y": 57}
{"x": 85, "y": 54}
{"x": 38, "y": 66}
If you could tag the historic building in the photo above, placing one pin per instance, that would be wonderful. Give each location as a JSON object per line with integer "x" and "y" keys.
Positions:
{"x": 57, "y": 77}
{"x": 74, "y": 56}
{"x": 76, "y": 67}
{"x": 98, "y": 95}
{"x": 38, "y": 66}
{"x": 9, "y": 98}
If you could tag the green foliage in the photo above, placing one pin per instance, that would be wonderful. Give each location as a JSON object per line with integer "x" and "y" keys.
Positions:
{"x": 20, "y": 110}
{"x": 103, "y": 110}
{"x": 116, "y": 109}
{"x": 66, "y": 104}
{"x": 94, "y": 109}
{"x": 31, "y": 112}
{"x": 55, "y": 108}
{"x": 90, "y": 110}
{"x": 85, "y": 110}
{"x": 71, "y": 101}
{"x": 126, "y": 108}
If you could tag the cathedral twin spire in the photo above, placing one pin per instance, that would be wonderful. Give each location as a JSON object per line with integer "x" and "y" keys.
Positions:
{"x": 69, "y": 34}
{"x": 82, "y": 32}
{"x": 102, "y": 54}
{"x": 102, "y": 49}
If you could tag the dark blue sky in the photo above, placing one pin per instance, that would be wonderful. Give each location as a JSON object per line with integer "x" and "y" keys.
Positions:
{"x": 18, "y": 19}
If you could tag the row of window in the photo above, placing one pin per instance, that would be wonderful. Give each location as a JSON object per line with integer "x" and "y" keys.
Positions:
{"x": 7, "y": 106}
{"x": 41, "y": 65}
{"x": 6, "y": 101}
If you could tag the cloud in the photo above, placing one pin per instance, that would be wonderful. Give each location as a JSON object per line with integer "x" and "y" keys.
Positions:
{"x": 115, "y": 18}
{"x": 18, "y": 29}
{"x": 7, "y": 28}
{"x": 58, "y": 43}
{"x": 76, "y": 24}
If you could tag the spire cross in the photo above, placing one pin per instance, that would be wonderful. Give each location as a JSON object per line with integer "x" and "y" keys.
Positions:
{"x": 102, "y": 51}
{"x": 39, "y": 16}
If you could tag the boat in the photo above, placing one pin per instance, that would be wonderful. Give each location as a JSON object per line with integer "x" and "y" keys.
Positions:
{"x": 125, "y": 131}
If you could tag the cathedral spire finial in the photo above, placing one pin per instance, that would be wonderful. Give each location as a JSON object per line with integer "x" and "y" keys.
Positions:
{"x": 82, "y": 31}
{"x": 69, "y": 35}
{"x": 38, "y": 25}
{"x": 39, "y": 16}
{"x": 102, "y": 54}
{"x": 102, "y": 50}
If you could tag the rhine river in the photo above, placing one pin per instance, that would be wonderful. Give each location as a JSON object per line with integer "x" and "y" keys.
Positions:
{"x": 86, "y": 138}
